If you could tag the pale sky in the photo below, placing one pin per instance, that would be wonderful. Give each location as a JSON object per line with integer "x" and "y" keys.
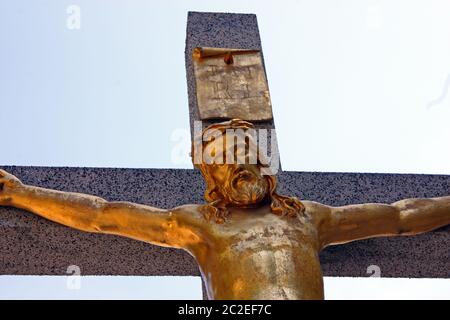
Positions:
{"x": 356, "y": 85}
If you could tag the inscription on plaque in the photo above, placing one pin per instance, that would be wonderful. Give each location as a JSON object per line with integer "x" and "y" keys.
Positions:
{"x": 231, "y": 83}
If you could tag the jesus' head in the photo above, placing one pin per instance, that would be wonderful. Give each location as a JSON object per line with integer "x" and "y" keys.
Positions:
{"x": 234, "y": 171}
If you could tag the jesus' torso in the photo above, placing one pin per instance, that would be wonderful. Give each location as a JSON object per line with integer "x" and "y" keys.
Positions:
{"x": 258, "y": 255}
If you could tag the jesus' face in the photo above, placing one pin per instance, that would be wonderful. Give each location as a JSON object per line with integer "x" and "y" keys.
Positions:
{"x": 239, "y": 183}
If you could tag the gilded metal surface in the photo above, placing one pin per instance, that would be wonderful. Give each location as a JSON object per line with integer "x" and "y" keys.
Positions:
{"x": 249, "y": 242}
{"x": 231, "y": 83}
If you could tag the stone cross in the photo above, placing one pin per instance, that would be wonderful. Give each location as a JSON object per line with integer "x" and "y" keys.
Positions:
{"x": 30, "y": 245}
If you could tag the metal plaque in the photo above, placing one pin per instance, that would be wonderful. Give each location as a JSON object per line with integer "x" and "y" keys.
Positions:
{"x": 231, "y": 83}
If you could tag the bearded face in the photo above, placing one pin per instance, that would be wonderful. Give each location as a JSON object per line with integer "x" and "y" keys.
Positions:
{"x": 239, "y": 184}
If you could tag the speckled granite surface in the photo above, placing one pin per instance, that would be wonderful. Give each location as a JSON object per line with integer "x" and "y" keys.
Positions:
{"x": 32, "y": 245}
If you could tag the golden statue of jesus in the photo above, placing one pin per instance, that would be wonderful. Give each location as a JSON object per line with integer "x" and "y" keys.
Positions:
{"x": 249, "y": 241}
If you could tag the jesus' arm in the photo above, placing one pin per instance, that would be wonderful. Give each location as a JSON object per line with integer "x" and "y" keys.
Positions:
{"x": 360, "y": 221}
{"x": 173, "y": 228}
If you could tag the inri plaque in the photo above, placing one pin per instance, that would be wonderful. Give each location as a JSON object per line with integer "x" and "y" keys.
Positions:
{"x": 231, "y": 83}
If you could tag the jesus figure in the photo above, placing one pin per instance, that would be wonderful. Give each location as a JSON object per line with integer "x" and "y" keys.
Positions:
{"x": 249, "y": 241}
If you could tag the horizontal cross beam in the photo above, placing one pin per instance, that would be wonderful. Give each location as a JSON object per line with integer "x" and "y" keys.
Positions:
{"x": 31, "y": 245}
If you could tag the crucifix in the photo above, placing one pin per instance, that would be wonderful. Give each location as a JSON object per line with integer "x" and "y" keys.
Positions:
{"x": 250, "y": 241}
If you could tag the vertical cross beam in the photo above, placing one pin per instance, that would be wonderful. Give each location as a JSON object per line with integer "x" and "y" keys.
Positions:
{"x": 220, "y": 30}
